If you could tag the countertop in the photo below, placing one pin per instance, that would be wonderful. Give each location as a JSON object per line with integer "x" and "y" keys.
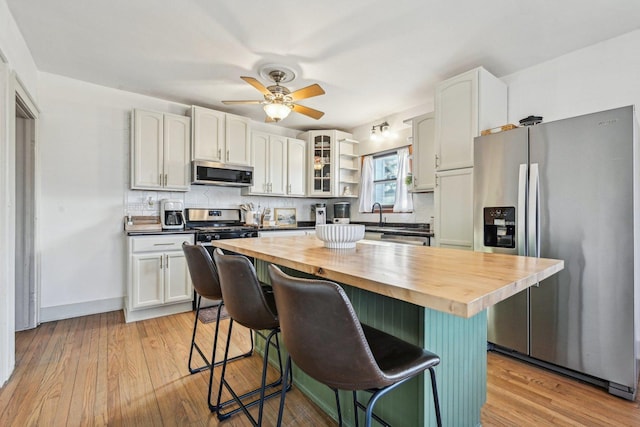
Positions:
{"x": 457, "y": 282}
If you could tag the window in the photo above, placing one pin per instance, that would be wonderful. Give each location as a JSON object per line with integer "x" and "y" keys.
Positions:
{"x": 385, "y": 172}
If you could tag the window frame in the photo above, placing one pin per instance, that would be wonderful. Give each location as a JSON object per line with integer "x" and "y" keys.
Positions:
{"x": 392, "y": 153}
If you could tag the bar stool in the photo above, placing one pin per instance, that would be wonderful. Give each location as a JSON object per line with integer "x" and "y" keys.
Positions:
{"x": 204, "y": 277}
{"x": 251, "y": 305}
{"x": 326, "y": 340}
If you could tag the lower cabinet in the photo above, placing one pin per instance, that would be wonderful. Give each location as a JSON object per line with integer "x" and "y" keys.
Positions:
{"x": 158, "y": 277}
{"x": 454, "y": 209}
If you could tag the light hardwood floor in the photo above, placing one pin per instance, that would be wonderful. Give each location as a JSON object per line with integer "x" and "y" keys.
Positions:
{"x": 98, "y": 370}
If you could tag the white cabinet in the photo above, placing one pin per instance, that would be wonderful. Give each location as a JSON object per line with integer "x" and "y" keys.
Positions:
{"x": 160, "y": 151}
{"x": 296, "y": 167}
{"x": 269, "y": 159}
{"x": 237, "y": 140}
{"x": 423, "y": 165}
{"x": 465, "y": 105}
{"x": 454, "y": 209}
{"x": 158, "y": 277}
{"x": 333, "y": 163}
{"x": 220, "y": 137}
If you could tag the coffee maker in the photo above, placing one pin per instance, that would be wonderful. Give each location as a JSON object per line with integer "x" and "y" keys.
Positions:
{"x": 171, "y": 216}
{"x": 320, "y": 210}
{"x": 341, "y": 212}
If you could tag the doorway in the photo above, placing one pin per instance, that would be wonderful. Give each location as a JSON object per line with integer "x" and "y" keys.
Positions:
{"x": 27, "y": 306}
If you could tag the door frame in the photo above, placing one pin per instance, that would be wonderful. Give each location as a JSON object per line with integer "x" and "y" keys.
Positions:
{"x": 23, "y": 102}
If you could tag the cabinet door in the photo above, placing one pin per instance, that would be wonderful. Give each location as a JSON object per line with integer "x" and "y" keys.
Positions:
{"x": 238, "y": 141}
{"x": 147, "y": 150}
{"x": 296, "y": 167}
{"x": 456, "y": 121}
{"x": 277, "y": 164}
{"x": 322, "y": 156}
{"x": 208, "y": 134}
{"x": 454, "y": 209}
{"x": 177, "y": 147}
{"x": 424, "y": 173}
{"x": 259, "y": 161}
{"x": 178, "y": 285}
{"x": 147, "y": 282}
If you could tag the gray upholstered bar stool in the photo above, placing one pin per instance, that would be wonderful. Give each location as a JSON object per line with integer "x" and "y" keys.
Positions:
{"x": 204, "y": 277}
{"x": 251, "y": 305}
{"x": 326, "y": 340}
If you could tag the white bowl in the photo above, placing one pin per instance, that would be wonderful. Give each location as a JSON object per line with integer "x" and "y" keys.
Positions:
{"x": 339, "y": 236}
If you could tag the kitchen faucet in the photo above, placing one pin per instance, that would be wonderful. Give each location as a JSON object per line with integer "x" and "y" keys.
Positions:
{"x": 373, "y": 208}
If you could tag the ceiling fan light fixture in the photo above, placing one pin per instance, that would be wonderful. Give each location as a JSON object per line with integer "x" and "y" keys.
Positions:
{"x": 277, "y": 111}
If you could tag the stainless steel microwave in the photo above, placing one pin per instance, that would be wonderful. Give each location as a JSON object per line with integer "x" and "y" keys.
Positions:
{"x": 214, "y": 173}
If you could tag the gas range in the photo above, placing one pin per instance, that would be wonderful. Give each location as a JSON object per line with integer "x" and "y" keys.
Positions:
{"x": 217, "y": 224}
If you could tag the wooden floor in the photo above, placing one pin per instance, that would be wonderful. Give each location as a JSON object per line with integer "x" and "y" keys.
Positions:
{"x": 97, "y": 370}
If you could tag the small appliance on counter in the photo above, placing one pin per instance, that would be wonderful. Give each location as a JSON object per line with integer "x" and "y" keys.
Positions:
{"x": 320, "y": 210}
{"x": 341, "y": 212}
{"x": 171, "y": 215}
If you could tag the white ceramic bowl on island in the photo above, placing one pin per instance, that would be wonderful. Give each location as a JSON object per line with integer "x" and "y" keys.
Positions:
{"x": 340, "y": 236}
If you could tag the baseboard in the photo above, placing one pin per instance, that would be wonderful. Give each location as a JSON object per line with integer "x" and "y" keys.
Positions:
{"x": 67, "y": 311}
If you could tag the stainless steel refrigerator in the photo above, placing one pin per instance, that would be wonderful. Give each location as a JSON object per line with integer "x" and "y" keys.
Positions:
{"x": 570, "y": 190}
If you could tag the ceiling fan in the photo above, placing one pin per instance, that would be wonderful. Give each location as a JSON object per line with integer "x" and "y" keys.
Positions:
{"x": 279, "y": 101}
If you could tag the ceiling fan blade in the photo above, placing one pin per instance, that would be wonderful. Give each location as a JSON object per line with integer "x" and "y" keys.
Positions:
{"x": 314, "y": 114}
{"x": 255, "y": 83}
{"x": 269, "y": 120}
{"x": 307, "y": 92}
{"x": 241, "y": 102}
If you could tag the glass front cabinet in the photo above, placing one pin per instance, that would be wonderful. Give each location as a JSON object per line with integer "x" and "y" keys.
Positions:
{"x": 334, "y": 164}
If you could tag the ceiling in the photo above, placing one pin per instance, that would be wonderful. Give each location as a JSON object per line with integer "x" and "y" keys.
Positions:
{"x": 374, "y": 58}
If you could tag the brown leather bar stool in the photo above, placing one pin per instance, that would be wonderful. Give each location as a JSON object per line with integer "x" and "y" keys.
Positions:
{"x": 326, "y": 340}
{"x": 206, "y": 283}
{"x": 251, "y": 305}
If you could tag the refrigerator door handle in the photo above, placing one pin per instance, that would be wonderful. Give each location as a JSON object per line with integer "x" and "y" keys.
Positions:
{"x": 522, "y": 207}
{"x": 534, "y": 211}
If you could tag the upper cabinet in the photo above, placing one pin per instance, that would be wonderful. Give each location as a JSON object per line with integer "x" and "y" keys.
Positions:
{"x": 296, "y": 167}
{"x": 160, "y": 151}
{"x": 333, "y": 164}
{"x": 220, "y": 137}
{"x": 465, "y": 105}
{"x": 279, "y": 165}
{"x": 268, "y": 158}
{"x": 423, "y": 165}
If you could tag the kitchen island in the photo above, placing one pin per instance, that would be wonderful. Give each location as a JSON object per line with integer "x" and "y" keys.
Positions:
{"x": 432, "y": 297}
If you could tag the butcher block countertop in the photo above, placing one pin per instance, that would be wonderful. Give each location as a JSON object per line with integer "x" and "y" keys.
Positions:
{"x": 457, "y": 282}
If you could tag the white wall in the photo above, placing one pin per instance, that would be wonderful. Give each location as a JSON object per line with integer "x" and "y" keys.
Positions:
{"x": 596, "y": 78}
{"x": 84, "y": 139}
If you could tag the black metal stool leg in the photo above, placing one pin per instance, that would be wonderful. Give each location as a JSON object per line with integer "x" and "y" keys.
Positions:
{"x": 207, "y": 364}
{"x": 436, "y": 402}
{"x": 355, "y": 408}
{"x": 335, "y": 391}
{"x": 261, "y": 390}
{"x": 283, "y": 392}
